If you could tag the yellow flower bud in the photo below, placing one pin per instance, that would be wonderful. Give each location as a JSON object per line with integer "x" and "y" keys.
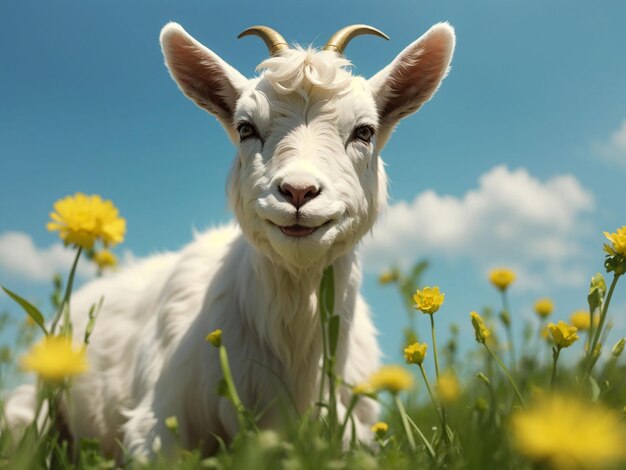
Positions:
{"x": 618, "y": 348}
{"x": 563, "y": 334}
{"x": 105, "y": 259}
{"x": 171, "y": 423}
{"x": 482, "y": 332}
{"x": 483, "y": 377}
{"x": 580, "y": 319}
{"x": 415, "y": 353}
{"x": 598, "y": 283}
{"x": 215, "y": 338}
{"x": 544, "y": 307}
{"x": 501, "y": 278}
{"x": 380, "y": 429}
{"x": 387, "y": 277}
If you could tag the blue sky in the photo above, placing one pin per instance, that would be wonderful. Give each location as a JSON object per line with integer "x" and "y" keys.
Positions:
{"x": 519, "y": 160}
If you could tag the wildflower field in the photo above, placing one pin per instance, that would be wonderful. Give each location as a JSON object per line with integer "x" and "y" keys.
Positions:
{"x": 507, "y": 404}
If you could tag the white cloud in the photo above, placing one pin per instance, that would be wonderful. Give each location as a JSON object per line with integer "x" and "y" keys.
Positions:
{"x": 19, "y": 257}
{"x": 512, "y": 219}
{"x": 614, "y": 149}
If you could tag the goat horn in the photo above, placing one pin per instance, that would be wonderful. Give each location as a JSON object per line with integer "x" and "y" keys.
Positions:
{"x": 274, "y": 41}
{"x": 341, "y": 38}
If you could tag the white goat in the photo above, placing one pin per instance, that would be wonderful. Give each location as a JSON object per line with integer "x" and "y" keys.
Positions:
{"x": 306, "y": 184}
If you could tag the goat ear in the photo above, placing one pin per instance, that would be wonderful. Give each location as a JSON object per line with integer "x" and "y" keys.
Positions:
{"x": 412, "y": 78}
{"x": 201, "y": 74}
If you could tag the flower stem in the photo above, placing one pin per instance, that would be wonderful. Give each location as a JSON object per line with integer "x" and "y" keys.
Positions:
{"x": 591, "y": 360}
{"x": 555, "y": 356}
{"x": 432, "y": 329}
{"x": 232, "y": 391}
{"x": 508, "y": 375}
{"x": 441, "y": 413}
{"x": 509, "y": 331}
{"x": 353, "y": 402}
{"x": 405, "y": 422}
{"x": 65, "y": 303}
{"x": 430, "y": 392}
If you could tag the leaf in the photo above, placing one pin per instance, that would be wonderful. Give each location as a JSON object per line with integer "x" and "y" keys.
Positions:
{"x": 327, "y": 293}
{"x": 333, "y": 333}
{"x": 32, "y": 311}
{"x": 595, "y": 389}
{"x": 431, "y": 451}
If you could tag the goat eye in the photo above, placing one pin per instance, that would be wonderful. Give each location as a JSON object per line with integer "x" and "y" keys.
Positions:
{"x": 364, "y": 133}
{"x": 245, "y": 131}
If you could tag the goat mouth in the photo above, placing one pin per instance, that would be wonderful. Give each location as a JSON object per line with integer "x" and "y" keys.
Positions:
{"x": 297, "y": 230}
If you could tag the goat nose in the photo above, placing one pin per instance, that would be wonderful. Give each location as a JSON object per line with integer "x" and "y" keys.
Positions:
{"x": 298, "y": 195}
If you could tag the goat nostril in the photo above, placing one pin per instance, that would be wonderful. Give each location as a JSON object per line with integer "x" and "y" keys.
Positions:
{"x": 298, "y": 195}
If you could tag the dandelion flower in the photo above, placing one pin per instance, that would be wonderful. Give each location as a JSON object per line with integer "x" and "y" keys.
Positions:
{"x": 482, "y": 332}
{"x": 501, "y": 278}
{"x": 380, "y": 429}
{"x": 363, "y": 388}
{"x": 580, "y": 319}
{"x": 564, "y": 433}
{"x": 618, "y": 242}
{"x": 415, "y": 353}
{"x": 448, "y": 388}
{"x": 54, "y": 359}
{"x": 563, "y": 334}
{"x": 391, "y": 378}
{"x": 82, "y": 219}
{"x": 215, "y": 338}
{"x": 428, "y": 300}
{"x": 105, "y": 259}
{"x": 544, "y": 307}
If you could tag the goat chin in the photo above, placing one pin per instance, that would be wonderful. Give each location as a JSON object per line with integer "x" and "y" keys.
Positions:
{"x": 149, "y": 358}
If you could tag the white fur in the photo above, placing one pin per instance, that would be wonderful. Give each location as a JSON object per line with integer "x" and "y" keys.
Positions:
{"x": 149, "y": 358}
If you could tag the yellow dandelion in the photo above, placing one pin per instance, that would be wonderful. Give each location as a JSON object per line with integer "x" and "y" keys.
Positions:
{"x": 54, "y": 359}
{"x": 563, "y": 334}
{"x": 448, "y": 388}
{"x": 82, "y": 219}
{"x": 391, "y": 378}
{"x": 544, "y": 307}
{"x": 481, "y": 331}
{"x": 428, "y": 300}
{"x": 105, "y": 259}
{"x": 580, "y": 319}
{"x": 380, "y": 429}
{"x": 564, "y": 433}
{"x": 501, "y": 278}
{"x": 363, "y": 388}
{"x": 618, "y": 242}
{"x": 415, "y": 353}
{"x": 215, "y": 338}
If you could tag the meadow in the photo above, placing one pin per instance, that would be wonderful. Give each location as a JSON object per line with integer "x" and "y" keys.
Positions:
{"x": 554, "y": 400}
